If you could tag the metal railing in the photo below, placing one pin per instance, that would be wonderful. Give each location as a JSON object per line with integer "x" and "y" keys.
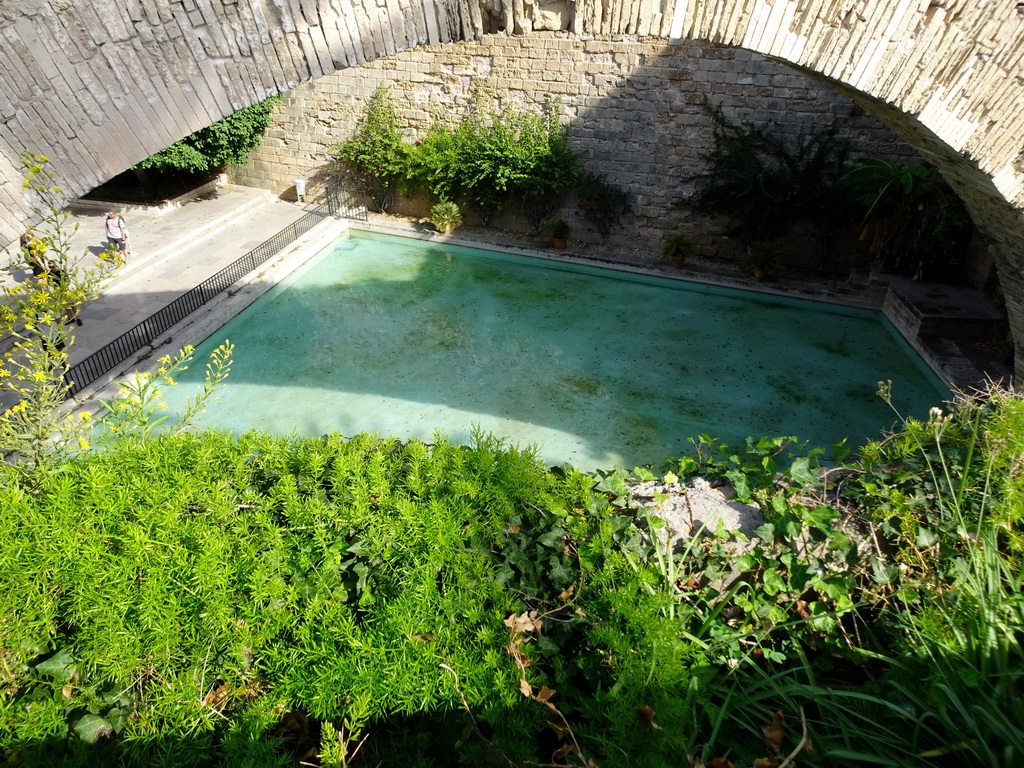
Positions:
{"x": 338, "y": 202}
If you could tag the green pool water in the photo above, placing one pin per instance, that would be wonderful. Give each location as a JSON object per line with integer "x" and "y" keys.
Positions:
{"x": 593, "y": 367}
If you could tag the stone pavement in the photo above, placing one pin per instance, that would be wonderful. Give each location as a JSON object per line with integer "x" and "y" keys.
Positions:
{"x": 173, "y": 251}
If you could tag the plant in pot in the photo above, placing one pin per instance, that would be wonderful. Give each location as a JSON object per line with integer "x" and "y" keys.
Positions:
{"x": 761, "y": 258}
{"x": 678, "y": 248}
{"x": 558, "y": 230}
{"x": 445, "y": 215}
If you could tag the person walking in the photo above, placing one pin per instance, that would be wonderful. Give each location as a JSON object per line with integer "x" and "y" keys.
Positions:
{"x": 116, "y": 232}
{"x": 33, "y": 251}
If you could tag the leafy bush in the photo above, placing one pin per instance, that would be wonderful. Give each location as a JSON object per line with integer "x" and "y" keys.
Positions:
{"x": 496, "y": 159}
{"x": 762, "y": 182}
{"x": 915, "y": 223}
{"x": 493, "y": 159}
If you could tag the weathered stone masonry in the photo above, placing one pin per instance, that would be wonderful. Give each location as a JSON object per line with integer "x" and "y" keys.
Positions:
{"x": 633, "y": 110}
{"x": 99, "y": 85}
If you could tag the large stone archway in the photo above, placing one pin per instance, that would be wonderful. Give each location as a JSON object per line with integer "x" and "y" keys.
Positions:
{"x": 98, "y": 86}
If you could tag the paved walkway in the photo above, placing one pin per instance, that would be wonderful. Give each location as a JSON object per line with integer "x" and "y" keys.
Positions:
{"x": 174, "y": 251}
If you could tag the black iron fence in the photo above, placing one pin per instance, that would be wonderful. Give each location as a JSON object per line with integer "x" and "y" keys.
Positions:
{"x": 338, "y": 202}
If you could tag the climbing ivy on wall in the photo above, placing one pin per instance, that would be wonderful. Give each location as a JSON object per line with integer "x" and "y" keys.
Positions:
{"x": 229, "y": 141}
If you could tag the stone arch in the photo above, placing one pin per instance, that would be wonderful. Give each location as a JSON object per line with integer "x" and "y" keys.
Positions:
{"x": 98, "y": 86}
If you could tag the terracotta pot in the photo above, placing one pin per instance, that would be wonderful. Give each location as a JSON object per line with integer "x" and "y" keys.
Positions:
{"x": 677, "y": 262}
{"x": 559, "y": 243}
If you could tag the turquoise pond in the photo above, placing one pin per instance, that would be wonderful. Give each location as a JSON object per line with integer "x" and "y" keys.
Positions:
{"x": 593, "y": 367}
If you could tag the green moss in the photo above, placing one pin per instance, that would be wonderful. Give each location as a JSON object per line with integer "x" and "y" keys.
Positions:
{"x": 585, "y": 385}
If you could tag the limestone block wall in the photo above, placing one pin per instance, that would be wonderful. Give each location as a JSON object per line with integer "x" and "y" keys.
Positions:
{"x": 632, "y": 109}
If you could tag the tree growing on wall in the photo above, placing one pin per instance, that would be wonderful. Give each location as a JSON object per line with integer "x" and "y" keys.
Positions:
{"x": 375, "y": 151}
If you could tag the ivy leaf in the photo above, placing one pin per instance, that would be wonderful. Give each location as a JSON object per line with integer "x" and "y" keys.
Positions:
{"x": 926, "y": 538}
{"x": 745, "y": 562}
{"x": 773, "y": 583}
{"x": 821, "y": 518}
{"x": 803, "y": 472}
{"x": 614, "y": 484}
{"x": 884, "y": 573}
{"x": 60, "y": 666}
{"x": 644, "y": 474}
{"x": 740, "y": 483}
{"x": 552, "y": 538}
{"x": 92, "y": 728}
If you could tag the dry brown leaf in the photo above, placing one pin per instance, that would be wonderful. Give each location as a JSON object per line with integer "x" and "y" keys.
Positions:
{"x": 425, "y": 637}
{"x": 67, "y": 691}
{"x": 567, "y": 593}
{"x": 524, "y": 623}
{"x": 522, "y": 660}
{"x": 775, "y": 733}
{"x": 645, "y": 716}
{"x": 563, "y": 751}
{"x": 525, "y": 688}
{"x": 720, "y": 762}
{"x": 803, "y": 609}
{"x": 560, "y": 730}
{"x": 545, "y": 694}
{"x": 766, "y": 762}
{"x": 218, "y": 696}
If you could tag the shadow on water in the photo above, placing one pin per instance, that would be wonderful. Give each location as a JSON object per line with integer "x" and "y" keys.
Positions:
{"x": 403, "y": 338}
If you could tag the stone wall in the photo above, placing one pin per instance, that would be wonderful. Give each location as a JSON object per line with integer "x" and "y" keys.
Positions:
{"x": 633, "y": 111}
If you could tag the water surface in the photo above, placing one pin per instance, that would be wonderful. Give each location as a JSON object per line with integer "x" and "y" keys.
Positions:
{"x": 594, "y": 367}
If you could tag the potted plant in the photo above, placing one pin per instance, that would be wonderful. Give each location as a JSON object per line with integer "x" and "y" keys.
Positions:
{"x": 558, "y": 230}
{"x": 678, "y": 248}
{"x": 761, "y": 258}
{"x": 445, "y": 216}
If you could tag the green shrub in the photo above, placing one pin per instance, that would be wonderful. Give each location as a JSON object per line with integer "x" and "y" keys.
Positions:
{"x": 496, "y": 159}
{"x": 761, "y": 182}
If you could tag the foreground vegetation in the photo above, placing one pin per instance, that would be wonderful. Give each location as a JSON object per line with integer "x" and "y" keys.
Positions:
{"x": 179, "y": 599}
{"x": 200, "y": 599}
